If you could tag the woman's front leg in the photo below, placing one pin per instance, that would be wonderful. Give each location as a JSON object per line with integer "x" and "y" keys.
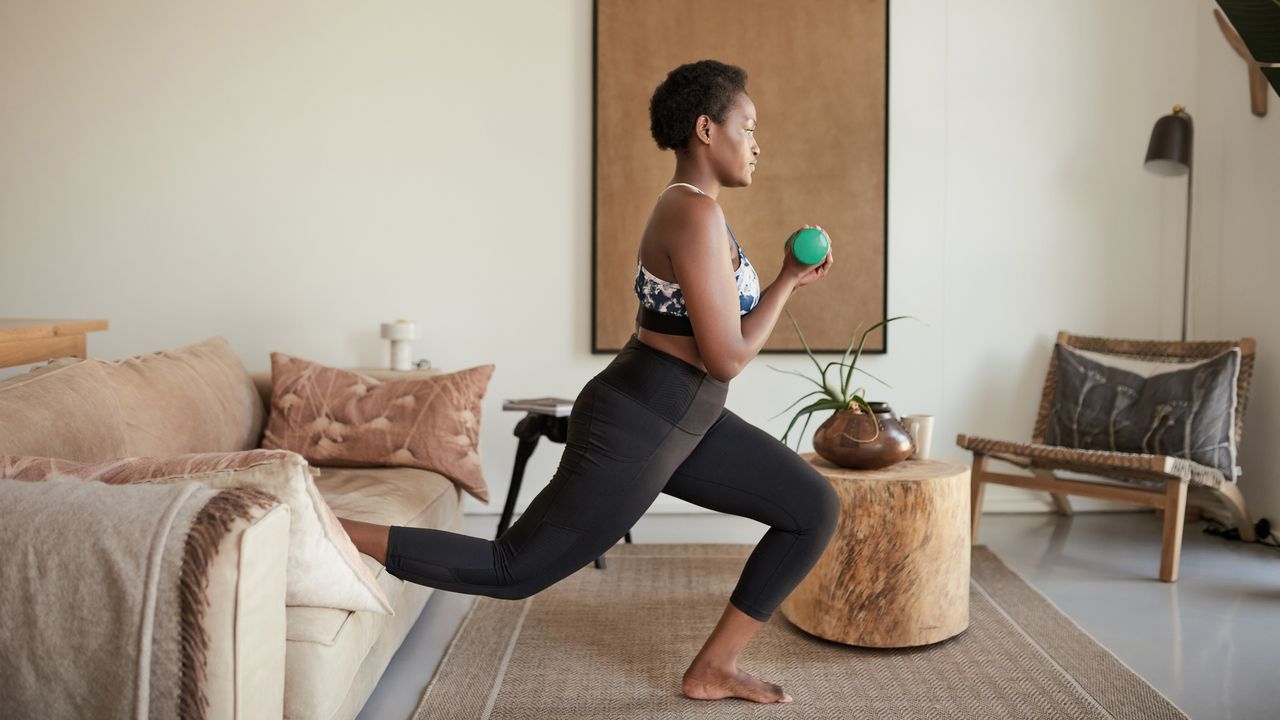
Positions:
{"x": 740, "y": 469}
{"x": 714, "y": 672}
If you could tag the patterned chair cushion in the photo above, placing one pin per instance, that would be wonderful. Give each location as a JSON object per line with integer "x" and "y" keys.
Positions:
{"x": 1119, "y": 404}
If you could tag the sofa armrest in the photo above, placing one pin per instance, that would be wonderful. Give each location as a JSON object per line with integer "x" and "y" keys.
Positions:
{"x": 245, "y": 619}
{"x": 262, "y": 381}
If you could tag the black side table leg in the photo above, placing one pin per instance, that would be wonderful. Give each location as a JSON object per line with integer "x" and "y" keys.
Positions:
{"x": 600, "y": 560}
{"x": 529, "y": 429}
{"x": 523, "y": 451}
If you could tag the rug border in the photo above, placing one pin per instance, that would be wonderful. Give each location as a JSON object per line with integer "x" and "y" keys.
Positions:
{"x": 457, "y": 633}
{"x": 1045, "y": 598}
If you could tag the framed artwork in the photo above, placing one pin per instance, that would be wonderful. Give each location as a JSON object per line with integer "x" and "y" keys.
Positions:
{"x": 817, "y": 71}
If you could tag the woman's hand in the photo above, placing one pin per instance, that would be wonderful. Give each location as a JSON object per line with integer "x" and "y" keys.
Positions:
{"x": 801, "y": 273}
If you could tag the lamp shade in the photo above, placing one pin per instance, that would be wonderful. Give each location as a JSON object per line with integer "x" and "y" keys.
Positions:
{"x": 1169, "y": 152}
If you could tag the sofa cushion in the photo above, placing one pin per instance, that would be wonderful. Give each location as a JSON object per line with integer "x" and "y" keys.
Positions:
{"x": 192, "y": 399}
{"x": 324, "y": 567}
{"x": 323, "y": 625}
{"x": 66, "y": 410}
{"x": 128, "y": 470}
{"x": 390, "y": 496}
{"x": 262, "y": 380}
{"x": 336, "y": 417}
{"x": 326, "y": 649}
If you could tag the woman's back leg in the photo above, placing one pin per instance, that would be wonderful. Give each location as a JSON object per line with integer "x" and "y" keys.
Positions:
{"x": 618, "y": 456}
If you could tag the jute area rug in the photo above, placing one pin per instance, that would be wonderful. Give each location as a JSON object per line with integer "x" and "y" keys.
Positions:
{"x": 613, "y": 643}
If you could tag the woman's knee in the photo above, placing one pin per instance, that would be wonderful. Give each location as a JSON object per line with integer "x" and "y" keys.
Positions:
{"x": 821, "y": 504}
{"x": 529, "y": 573}
{"x": 516, "y": 591}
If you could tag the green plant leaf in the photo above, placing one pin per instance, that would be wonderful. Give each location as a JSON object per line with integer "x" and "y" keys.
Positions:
{"x": 864, "y": 372}
{"x": 803, "y": 431}
{"x": 803, "y": 411}
{"x": 837, "y": 396}
{"x": 808, "y": 409}
{"x": 821, "y": 386}
{"x": 862, "y": 342}
{"x": 796, "y": 325}
{"x": 844, "y": 359}
{"x": 802, "y": 397}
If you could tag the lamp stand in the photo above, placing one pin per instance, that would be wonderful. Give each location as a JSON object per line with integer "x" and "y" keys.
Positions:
{"x": 1186, "y": 259}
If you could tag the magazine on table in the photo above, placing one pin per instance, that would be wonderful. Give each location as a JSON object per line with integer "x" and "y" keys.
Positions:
{"x": 559, "y": 407}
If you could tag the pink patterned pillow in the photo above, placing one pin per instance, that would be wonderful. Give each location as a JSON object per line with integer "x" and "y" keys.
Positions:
{"x": 123, "y": 471}
{"x": 343, "y": 418}
{"x": 324, "y": 567}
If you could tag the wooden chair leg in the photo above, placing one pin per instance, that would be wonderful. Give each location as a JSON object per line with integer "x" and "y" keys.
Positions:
{"x": 976, "y": 486}
{"x": 1062, "y": 504}
{"x": 1191, "y": 515}
{"x": 1175, "y": 507}
{"x": 1230, "y": 495}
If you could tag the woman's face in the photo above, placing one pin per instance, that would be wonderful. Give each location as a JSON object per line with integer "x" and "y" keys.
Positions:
{"x": 734, "y": 148}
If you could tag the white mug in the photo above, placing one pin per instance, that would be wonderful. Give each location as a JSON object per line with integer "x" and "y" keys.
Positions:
{"x": 921, "y": 429}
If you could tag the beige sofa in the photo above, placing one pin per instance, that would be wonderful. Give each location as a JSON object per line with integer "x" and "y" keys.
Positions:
{"x": 265, "y": 660}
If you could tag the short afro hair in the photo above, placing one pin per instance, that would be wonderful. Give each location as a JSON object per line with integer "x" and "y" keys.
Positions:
{"x": 705, "y": 87}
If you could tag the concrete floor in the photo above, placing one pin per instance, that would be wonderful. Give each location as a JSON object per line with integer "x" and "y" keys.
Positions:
{"x": 1208, "y": 642}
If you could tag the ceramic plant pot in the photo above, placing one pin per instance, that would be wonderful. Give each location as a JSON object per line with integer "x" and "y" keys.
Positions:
{"x": 863, "y": 441}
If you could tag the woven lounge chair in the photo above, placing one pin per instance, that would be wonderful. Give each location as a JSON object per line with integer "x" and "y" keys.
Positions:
{"x": 1158, "y": 481}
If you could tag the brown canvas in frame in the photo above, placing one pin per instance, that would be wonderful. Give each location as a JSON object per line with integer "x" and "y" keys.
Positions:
{"x": 818, "y": 75}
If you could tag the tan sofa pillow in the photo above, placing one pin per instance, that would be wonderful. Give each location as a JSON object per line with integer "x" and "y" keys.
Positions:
{"x": 343, "y": 418}
{"x": 324, "y": 567}
{"x": 64, "y": 410}
{"x": 196, "y": 398}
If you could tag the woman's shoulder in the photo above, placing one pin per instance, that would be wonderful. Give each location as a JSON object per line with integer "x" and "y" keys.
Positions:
{"x": 686, "y": 209}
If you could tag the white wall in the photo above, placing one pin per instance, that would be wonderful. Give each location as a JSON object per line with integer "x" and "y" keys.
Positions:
{"x": 1236, "y": 243}
{"x": 288, "y": 175}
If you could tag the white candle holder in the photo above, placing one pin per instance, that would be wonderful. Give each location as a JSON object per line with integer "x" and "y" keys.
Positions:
{"x": 400, "y": 333}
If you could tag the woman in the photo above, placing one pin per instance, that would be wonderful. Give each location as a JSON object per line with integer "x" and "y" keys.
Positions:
{"x": 654, "y": 420}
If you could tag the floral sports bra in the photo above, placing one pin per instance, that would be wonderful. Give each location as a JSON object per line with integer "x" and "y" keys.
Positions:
{"x": 662, "y": 306}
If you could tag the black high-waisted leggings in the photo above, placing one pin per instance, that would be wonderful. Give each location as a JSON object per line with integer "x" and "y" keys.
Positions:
{"x": 648, "y": 423}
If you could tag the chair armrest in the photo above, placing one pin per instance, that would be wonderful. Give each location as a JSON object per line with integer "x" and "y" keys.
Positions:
{"x": 245, "y": 618}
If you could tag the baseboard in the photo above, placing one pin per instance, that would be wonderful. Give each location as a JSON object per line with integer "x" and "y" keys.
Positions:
{"x": 998, "y": 499}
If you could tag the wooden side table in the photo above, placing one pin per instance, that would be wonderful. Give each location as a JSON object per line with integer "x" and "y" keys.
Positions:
{"x": 896, "y": 573}
{"x": 31, "y": 340}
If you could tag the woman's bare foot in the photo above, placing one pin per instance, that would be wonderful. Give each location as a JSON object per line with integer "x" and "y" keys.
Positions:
{"x": 369, "y": 538}
{"x": 709, "y": 683}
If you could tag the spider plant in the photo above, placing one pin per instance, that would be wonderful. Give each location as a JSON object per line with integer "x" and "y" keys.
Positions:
{"x": 833, "y": 396}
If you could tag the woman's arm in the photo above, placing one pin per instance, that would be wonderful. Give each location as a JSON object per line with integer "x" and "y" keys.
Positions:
{"x": 792, "y": 276}
{"x": 726, "y": 339}
{"x": 757, "y": 325}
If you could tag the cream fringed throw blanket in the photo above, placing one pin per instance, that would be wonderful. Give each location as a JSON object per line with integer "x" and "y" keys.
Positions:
{"x": 102, "y": 595}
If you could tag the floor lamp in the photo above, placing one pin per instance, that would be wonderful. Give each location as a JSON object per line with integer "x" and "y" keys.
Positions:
{"x": 1169, "y": 154}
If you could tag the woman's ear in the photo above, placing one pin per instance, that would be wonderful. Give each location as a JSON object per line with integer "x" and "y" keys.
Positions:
{"x": 704, "y": 129}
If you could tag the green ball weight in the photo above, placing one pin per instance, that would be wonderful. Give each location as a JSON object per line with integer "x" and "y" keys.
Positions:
{"x": 810, "y": 246}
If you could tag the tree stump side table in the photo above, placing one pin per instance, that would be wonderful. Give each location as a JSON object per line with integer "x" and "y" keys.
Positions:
{"x": 896, "y": 573}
